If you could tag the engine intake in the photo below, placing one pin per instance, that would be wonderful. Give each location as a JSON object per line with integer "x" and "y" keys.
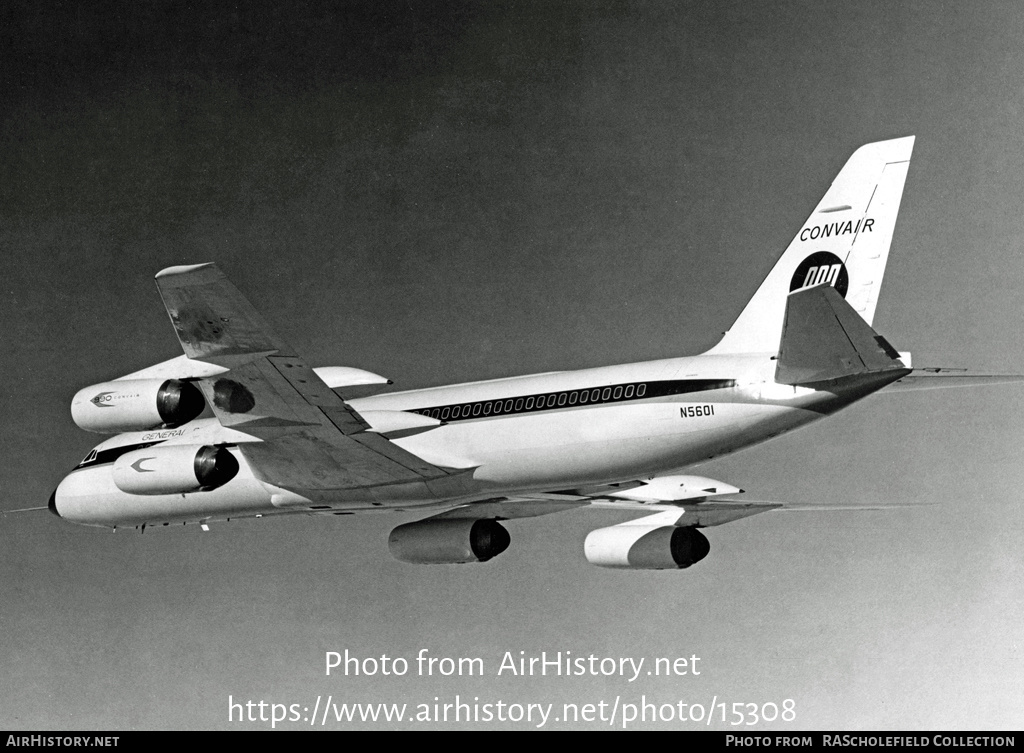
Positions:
{"x": 646, "y": 547}
{"x": 445, "y": 542}
{"x": 136, "y": 405}
{"x": 174, "y": 469}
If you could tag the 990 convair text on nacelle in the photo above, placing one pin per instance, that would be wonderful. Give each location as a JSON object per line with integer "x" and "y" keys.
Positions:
{"x": 241, "y": 426}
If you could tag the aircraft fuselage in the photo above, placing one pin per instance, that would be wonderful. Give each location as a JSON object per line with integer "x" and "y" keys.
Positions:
{"x": 558, "y": 430}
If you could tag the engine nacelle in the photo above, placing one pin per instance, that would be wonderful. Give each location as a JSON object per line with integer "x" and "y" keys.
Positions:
{"x": 646, "y": 547}
{"x": 136, "y": 405}
{"x": 174, "y": 469}
{"x": 444, "y": 542}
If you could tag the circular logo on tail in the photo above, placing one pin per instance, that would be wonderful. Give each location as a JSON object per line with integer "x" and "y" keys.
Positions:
{"x": 819, "y": 268}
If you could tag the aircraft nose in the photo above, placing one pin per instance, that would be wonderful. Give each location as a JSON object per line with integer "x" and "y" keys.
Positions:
{"x": 52, "y": 505}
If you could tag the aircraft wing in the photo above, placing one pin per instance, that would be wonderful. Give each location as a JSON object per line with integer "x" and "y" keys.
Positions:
{"x": 678, "y": 500}
{"x": 703, "y": 514}
{"x": 693, "y": 500}
{"x": 312, "y": 439}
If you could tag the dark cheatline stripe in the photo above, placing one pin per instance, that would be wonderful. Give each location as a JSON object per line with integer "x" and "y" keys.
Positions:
{"x": 682, "y": 386}
{"x": 615, "y": 393}
{"x": 113, "y": 453}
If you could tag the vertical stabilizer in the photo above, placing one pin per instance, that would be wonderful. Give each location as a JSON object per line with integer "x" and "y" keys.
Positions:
{"x": 844, "y": 242}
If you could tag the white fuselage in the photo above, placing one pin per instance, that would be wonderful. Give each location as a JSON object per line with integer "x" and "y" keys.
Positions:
{"x": 545, "y": 432}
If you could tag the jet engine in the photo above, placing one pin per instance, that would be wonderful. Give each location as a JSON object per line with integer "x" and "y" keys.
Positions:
{"x": 442, "y": 542}
{"x": 136, "y": 405}
{"x": 174, "y": 469}
{"x": 642, "y": 547}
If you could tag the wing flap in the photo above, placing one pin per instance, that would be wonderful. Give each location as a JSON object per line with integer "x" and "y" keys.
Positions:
{"x": 314, "y": 459}
{"x": 256, "y": 396}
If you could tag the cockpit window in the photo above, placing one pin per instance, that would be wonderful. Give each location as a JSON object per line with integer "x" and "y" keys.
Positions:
{"x": 89, "y": 458}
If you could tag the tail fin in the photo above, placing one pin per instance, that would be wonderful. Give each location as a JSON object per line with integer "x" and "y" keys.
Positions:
{"x": 844, "y": 242}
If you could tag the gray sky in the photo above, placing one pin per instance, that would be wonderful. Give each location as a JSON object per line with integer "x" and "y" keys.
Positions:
{"x": 487, "y": 191}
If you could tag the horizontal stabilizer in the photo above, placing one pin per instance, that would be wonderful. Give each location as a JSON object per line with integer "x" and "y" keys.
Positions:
{"x": 823, "y": 339}
{"x": 935, "y": 378}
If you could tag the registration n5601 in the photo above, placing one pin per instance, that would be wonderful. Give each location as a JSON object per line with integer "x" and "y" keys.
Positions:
{"x": 696, "y": 411}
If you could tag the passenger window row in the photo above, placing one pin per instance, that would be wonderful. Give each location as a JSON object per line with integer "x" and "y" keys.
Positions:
{"x": 535, "y": 402}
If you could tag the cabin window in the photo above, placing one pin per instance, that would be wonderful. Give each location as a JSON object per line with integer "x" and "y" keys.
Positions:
{"x": 641, "y": 390}
{"x": 561, "y": 399}
{"x": 519, "y": 404}
{"x": 487, "y": 409}
{"x": 551, "y": 401}
{"x": 572, "y": 399}
{"x": 445, "y": 412}
{"x": 629, "y": 391}
{"x": 508, "y": 405}
{"x": 618, "y": 393}
{"x": 529, "y": 403}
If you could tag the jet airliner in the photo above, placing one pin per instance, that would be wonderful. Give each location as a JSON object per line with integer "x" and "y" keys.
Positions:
{"x": 241, "y": 426}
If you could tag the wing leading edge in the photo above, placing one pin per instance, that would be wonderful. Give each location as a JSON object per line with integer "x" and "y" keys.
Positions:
{"x": 685, "y": 501}
{"x": 312, "y": 439}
